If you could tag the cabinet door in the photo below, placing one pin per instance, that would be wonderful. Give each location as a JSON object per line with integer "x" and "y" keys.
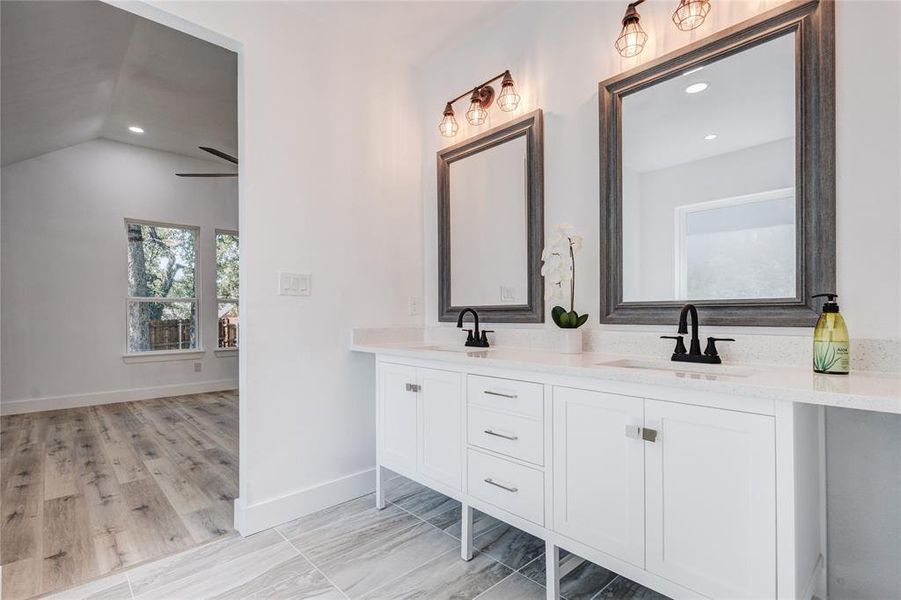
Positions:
{"x": 711, "y": 500}
{"x": 397, "y": 415}
{"x": 440, "y": 426}
{"x": 599, "y": 472}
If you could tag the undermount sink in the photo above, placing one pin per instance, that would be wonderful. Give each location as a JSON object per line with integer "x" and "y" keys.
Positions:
{"x": 679, "y": 368}
{"x": 455, "y": 349}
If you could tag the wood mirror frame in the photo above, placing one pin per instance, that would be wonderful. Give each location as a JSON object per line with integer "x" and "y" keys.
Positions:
{"x": 530, "y": 127}
{"x": 813, "y": 22}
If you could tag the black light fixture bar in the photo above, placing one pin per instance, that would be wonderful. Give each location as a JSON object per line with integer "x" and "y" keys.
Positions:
{"x": 478, "y": 87}
{"x": 481, "y": 98}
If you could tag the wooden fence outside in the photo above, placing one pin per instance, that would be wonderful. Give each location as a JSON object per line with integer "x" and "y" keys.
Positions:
{"x": 228, "y": 332}
{"x": 170, "y": 334}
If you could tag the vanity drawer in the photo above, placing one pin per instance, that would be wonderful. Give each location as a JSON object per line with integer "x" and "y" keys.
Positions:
{"x": 511, "y": 487}
{"x": 505, "y": 433}
{"x": 523, "y": 397}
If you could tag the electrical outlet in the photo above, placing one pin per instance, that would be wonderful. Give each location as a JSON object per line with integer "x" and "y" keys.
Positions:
{"x": 198, "y": 367}
{"x": 414, "y": 305}
{"x": 508, "y": 294}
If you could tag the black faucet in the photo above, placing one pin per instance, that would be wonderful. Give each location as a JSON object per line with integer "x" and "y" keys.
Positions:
{"x": 477, "y": 339}
{"x": 710, "y": 355}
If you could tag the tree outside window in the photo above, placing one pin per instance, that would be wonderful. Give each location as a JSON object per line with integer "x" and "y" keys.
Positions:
{"x": 162, "y": 298}
{"x": 227, "y": 253}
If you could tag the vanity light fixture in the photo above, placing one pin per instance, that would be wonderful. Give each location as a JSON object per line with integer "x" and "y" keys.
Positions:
{"x": 478, "y": 105}
{"x": 480, "y": 99}
{"x": 448, "y": 126}
{"x": 509, "y": 98}
{"x": 696, "y": 88}
{"x": 135, "y": 129}
{"x": 691, "y": 14}
{"x": 632, "y": 38}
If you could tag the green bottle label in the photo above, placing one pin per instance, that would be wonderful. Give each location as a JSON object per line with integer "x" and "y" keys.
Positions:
{"x": 831, "y": 357}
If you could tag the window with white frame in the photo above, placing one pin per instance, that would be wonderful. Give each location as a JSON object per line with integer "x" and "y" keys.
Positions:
{"x": 162, "y": 287}
{"x": 227, "y": 287}
{"x": 738, "y": 247}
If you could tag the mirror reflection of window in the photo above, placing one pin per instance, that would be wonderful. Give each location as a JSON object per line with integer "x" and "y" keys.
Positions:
{"x": 708, "y": 180}
{"x": 489, "y": 226}
{"x": 740, "y": 247}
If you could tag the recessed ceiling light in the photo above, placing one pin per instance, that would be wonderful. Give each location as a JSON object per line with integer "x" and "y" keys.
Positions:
{"x": 710, "y": 136}
{"x": 690, "y": 71}
{"x": 135, "y": 129}
{"x": 696, "y": 87}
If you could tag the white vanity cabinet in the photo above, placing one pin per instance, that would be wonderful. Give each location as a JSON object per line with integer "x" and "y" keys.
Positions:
{"x": 420, "y": 422}
{"x": 599, "y": 481}
{"x": 694, "y": 494}
{"x": 710, "y": 499}
{"x": 685, "y": 492}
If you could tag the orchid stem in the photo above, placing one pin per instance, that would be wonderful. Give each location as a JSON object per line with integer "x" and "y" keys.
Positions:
{"x": 572, "y": 283}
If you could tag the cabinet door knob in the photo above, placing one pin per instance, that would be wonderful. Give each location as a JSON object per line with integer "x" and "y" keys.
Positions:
{"x": 641, "y": 433}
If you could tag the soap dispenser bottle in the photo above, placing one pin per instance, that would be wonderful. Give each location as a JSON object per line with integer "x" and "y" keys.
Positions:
{"x": 831, "y": 346}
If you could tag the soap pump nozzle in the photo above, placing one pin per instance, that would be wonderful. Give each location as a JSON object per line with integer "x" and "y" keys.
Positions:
{"x": 829, "y": 306}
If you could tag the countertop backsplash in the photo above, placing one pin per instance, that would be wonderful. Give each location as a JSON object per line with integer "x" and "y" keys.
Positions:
{"x": 793, "y": 350}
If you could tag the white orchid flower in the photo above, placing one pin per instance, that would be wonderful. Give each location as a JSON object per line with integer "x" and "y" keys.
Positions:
{"x": 558, "y": 264}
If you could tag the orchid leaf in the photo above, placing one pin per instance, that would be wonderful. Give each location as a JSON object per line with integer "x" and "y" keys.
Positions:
{"x": 555, "y": 315}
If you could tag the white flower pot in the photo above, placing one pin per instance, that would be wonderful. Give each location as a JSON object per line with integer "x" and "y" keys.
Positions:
{"x": 569, "y": 341}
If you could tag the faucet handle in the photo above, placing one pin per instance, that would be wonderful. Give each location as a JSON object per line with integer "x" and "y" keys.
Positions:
{"x": 485, "y": 333}
{"x": 680, "y": 345}
{"x": 469, "y": 336}
{"x": 710, "y": 350}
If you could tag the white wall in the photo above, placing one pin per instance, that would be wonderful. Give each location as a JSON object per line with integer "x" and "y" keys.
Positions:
{"x": 329, "y": 186}
{"x": 558, "y": 52}
{"x": 64, "y": 267}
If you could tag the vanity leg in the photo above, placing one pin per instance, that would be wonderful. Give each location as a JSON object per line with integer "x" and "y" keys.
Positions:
{"x": 552, "y": 570}
{"x": 379, "y": 487}
{"x": 466, "y": 532}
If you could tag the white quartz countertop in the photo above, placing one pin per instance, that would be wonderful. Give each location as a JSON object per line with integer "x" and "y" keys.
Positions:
{"x": 862, "y": 390}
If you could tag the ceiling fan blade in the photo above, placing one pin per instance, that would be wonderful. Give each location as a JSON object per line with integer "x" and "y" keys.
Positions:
{"x": 220, "y": 154}
{"x": 206, "y": 174}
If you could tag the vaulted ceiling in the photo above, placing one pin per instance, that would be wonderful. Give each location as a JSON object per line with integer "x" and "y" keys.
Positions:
{"x": 75, "y": 71}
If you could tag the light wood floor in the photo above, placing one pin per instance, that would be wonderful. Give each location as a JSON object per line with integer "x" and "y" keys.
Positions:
{"x": 90, "y": 491}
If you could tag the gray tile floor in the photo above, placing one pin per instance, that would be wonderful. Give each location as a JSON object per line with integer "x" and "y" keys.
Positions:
{"x": 410, "y": 549}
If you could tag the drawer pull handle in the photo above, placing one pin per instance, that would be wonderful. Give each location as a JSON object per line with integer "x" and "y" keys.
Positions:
{"x": 501, "y": 394}
{"x": 502, "y": 435}
{"x": 412, "y": 387}
{"x": 490, "y": 481}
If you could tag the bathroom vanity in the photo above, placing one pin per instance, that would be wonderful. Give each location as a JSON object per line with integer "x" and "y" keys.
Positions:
{"x": 699, "y": 481}
{"x": 693, "y": 480}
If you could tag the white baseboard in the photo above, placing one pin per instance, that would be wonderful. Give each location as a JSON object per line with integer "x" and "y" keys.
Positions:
{"x": 16, "y": 407}
{"x": 269, "y": 513}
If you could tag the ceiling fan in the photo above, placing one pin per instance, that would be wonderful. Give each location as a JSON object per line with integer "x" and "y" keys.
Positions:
{"x": 221, "y": 155}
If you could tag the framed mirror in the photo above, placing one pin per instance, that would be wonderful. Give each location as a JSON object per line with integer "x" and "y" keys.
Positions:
{"x": 491, "y": 224}
{"x": 718, "y": 176}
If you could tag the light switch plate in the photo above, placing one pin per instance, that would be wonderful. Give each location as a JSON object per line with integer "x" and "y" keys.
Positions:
{"x": 294, "y": 284}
